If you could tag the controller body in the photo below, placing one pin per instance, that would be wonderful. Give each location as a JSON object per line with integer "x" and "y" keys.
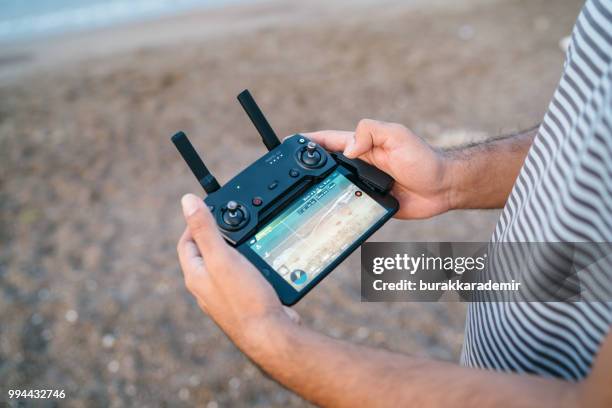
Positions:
{"x": 296, "y": 172}
{"x": 260, "y": 190}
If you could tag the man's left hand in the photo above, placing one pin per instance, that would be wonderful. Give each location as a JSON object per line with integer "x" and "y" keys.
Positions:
{"x": 225, "y": 284}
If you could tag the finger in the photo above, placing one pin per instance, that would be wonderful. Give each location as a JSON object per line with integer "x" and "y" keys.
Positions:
{"x": 189, "y": 254}
{"x": 194, "y": 272}
{"x": 369, "y": 134}
{"x": 202, "y": 226}
{"x": 293, "y": 315}
{"x": 363, "y": 141}
{"x": 202, "y": 305}
{"x": 332, "y": 140}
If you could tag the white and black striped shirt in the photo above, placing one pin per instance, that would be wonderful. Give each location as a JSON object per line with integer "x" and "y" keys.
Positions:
{"x": 563, "y": 194}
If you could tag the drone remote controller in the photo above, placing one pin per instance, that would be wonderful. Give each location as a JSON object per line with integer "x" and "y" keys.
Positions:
{"x": 297, "y": 212}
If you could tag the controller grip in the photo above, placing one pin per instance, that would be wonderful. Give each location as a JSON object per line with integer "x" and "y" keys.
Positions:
{"x": 370, "y": 175}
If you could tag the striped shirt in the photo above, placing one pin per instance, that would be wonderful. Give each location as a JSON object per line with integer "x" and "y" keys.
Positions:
{"x": 562, "y": 194}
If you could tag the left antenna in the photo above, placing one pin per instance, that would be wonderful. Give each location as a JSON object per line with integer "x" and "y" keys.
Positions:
{"x": 205, "y": 178}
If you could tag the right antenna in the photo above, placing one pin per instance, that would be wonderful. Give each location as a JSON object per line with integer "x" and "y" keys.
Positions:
{"x": 259, "y": 120}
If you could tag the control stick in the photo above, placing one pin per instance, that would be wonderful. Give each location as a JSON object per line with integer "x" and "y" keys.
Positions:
{"x": 234, "y": 216}
{"x": 310, "y": 156}
{"x": 232, "y": 208}
{"x": 311, "y": 148}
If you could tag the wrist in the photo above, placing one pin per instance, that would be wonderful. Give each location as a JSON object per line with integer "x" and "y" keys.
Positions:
{"x": 453, "y": 170}
{"x": 266, "y": 338}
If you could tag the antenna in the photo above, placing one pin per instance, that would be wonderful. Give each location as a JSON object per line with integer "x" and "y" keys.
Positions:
{"x": 259, "y": 120}
{"x": 195, "y": 163}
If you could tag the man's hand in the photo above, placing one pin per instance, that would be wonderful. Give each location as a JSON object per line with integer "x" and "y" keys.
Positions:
{"x": 422, "y": 181}
{"x": 430, "y": 181}
{"x": 226, "y": 285}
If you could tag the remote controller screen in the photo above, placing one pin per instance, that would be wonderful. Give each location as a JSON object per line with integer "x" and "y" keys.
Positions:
{"x": 313, "y": 231}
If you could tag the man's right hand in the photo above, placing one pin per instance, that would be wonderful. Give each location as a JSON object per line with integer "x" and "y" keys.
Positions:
{"x": 422, "y": 180}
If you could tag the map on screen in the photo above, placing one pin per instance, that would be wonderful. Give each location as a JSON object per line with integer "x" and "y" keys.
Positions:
{"x": 308, "y": 235}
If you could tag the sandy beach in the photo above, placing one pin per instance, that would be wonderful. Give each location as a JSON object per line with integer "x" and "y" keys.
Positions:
{"x": 91, "y": 296}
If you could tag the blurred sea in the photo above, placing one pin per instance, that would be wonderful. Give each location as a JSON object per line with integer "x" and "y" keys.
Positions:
{"x": 31, "y": 19}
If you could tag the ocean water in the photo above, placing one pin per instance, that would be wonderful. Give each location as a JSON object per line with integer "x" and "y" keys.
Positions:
{"x": 32, "y": 19}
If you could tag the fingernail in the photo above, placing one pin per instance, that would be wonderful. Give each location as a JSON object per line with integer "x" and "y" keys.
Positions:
{"x": 191, "y": 204}
{"x": 350, "y": 146}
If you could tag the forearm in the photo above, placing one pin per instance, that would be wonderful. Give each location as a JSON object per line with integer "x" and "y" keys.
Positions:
{"x": 330, "y": 372}
{"x": 483, "y": 174}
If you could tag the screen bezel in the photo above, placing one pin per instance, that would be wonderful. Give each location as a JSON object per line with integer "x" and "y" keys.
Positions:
{"x": 287, "y": 294}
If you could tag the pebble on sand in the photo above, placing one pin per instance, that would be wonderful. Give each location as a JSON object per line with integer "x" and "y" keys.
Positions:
{"x": 466, "y": 32}
{"x": 71, "y": 316}
{"x": 184, "y": 394}
{"x": 113, "y": 366}
{"x": 108, "y": 340}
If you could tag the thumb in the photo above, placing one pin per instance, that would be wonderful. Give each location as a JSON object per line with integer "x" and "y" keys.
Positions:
{"x": 201, "y": 223}
{"x": 364, "y": 139}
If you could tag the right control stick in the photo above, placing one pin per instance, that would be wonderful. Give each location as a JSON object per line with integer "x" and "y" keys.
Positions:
{"x": 310, "y": 156}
